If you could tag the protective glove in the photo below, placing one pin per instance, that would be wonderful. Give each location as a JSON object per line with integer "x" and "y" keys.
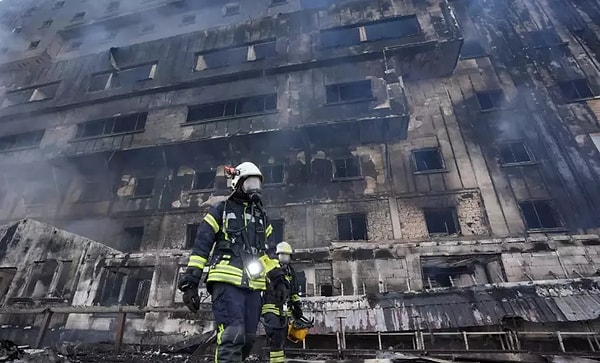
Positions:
{"x": 297, "y": 310}
{"x": 188, "y": 284}
{"x": 279, "y": 285}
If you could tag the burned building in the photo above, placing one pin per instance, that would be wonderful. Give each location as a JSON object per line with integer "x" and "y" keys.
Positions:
{"x": 441, "y": 154}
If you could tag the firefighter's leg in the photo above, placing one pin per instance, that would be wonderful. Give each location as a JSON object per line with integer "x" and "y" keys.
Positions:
{"x": 275, "y": 329}
{"x": 228, "y": 309}
{"x": 253, "y": 305}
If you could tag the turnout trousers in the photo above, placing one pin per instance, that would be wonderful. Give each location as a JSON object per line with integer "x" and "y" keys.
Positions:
{"x": 276, "y": 331}
{"x": 237, "y": 314}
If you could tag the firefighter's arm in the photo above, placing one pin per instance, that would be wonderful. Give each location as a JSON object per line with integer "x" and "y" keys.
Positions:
{"x": 295, "y": 304}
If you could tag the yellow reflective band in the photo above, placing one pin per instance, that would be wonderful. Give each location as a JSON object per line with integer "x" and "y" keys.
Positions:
{"x": 197, "y": 261}
{"x": 195, "y": 264}
{"x": 276, "y": 354}
{"x": 220, "y": 330}
{"x": 269, "y": 230}
{"x": 212, "y": 222}
{"x": 295, "y": 298}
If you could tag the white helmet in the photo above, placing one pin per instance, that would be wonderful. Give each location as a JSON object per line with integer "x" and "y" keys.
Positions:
{"x": 243, "y": 171}
{"x": 283, "y": 248}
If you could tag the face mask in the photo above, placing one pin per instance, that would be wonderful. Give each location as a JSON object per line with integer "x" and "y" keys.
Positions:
{"x": 252, "y": 187}
{"x": 283, "y": 258}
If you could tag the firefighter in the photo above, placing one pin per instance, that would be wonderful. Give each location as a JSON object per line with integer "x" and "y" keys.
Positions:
{"x": 240, "y": 267}
{"x": 275, "y": 314}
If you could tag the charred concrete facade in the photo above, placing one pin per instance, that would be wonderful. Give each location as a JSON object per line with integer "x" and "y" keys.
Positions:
{"x": 408, "y": 145}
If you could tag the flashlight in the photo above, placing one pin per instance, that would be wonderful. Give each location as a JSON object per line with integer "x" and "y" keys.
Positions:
{"x": 254, "y": 269}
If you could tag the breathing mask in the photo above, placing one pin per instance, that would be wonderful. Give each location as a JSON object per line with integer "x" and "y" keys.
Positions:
{"x": 252, "y": 186}
{"x": 284, "y": 258}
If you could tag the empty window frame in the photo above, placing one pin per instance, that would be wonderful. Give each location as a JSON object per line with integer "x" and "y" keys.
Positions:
{"x": 278, "y": 225}
{"x": 231, "y": 9}
{"x": 204, "y": 180}
{"x": 540, "y": 214}
{"x": 112, "y": 126}
{"x": 428, "y": 160}
{"x": 144, "y": 187}
{"x": 42, "y": 274}
{"x": 127, "y": 76}
{"x": 235, "y": 56}
{"x": 78, "y": 16}
{"x": 349, "y": 91}
{"x": 272, "y": 174}
{"x": 113, "y": 6}
{"x": 472, "y": 49}
{"x": 34, "y": 44}
{"x": 489, "y": 100}
{"x": 461, "y": 271}
{"x": 543, "y": 38}
{"x": 383, "y": 29}
{"x": 126, "y": 286}
{"x": 575, "y": 89}
{"x": 191, "y": 230}
{"x": 133, "y": 238}
{"x": 188, "y": 19}
{"x": 21, "y": 141}
{"x": 514, "y": 152}
{"x": 346, "y": 168}
{"x": 47, "y": 23}
{"x": 231, "y": 108}
{"x": 441, "y": 221}
{"x": 352, "y": 227}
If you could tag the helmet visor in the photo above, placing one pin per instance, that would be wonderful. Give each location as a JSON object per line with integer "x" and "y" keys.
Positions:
{"x": 251, "y": 184}
{"x": 283, "y": 258}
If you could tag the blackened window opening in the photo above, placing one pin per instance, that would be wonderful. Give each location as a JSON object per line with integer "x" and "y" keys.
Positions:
{"x": 272, "y": 174}
{"x": 278, "y": 225}
{"x": 514, "y": 153}
{"x": 539, "y": 214}
{"x": 144, "y": 187}
{"x": 575, "y": 89}
{"x": 349, "y": 91}
{"x": 21, "y": 141}
{"x": 491, "y": 99}
{"x": 204, "y": 180}
{"x": 347, "y": 168}
{"x": 393, "y": 28}
{"x": 191, "y": 231}
{"x": 231, "y": 108}
{"x": 352, "y": 227}
{"x": 133, "y": 238}
{"x": 428, "y": 160}
{"x": 441, "y": 221}
{"x": 34, "y": 44}
{"x": 115, "y": 125}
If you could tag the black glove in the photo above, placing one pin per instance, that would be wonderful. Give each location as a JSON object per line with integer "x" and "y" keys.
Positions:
{"x": 188, "y": 284}
{"x": 297, "y": 310}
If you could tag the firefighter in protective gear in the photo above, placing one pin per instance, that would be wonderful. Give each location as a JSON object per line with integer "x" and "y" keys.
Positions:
{"x": 242, "y": 261}
{"x": 275, "y": 313}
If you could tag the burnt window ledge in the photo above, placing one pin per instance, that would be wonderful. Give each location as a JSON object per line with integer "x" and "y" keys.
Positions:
{"x": 358, "y": 100}
{"x": 199, "y": 191}
{"x": 436, "y": 171}
{"x": 270, "y": 112}
{"x": 106, "y": 135}
{"x": 576, "y": 100}
{"x": 19, "y": 149}
{"x": 523, "y": 163}
{"x": 349, "y": 178}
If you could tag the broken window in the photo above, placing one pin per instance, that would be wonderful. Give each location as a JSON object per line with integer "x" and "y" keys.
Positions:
{"x": 42, "y": 274}
{"x": 461, "y": 271}
{"x": 127, "y": 76}
{"x": 539, "y": 214}
{"x": 144, "y": 187}
{"x": 133, "y": 238}
{"x": 347, "y": 168}
{"x": 34, "y": 44}
{"x": 575, "y": 89}
{"x": 44, "y": 92}
{"x": 126, "y": 286}
{"x": 46, "y": 24}
{"x": 429, "y": 159}
{"x": 232, "y": 9}
{"x": 188, "y": 19}
{"x": 38, "y": 93}
{"x": 58, "y": 4}
{"x": 190, "y": 234}
{"x": 339, "y": 37}
{"x": 543, "y": 38}
{"x": 472, "y": 49}
{"x": 272, "y": 174}
{"x": 441, "y": 221}
{"x": 277, "y": 235}
{"x": 231, "y": 108}
{"x": 352, "y": 227}
{"x": 21, "y": 141}
{"x": 7, "y": 274}
{"x": 61, "y": 281}
{"x": 322, "y": 170}
{"x": 235, "y": 56}
{"x": 113, "y": 6}
{"x": 489, "y": 100}
{"x": 204, "y": 180}
{"x": 111, "y": 126}
{"x": 78, "y": 16}
{"x": 393, "y": 28}
{"x": 350, "y": 91}
{"x": 514, "y": 152}
{"x": 323, "y": 279}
